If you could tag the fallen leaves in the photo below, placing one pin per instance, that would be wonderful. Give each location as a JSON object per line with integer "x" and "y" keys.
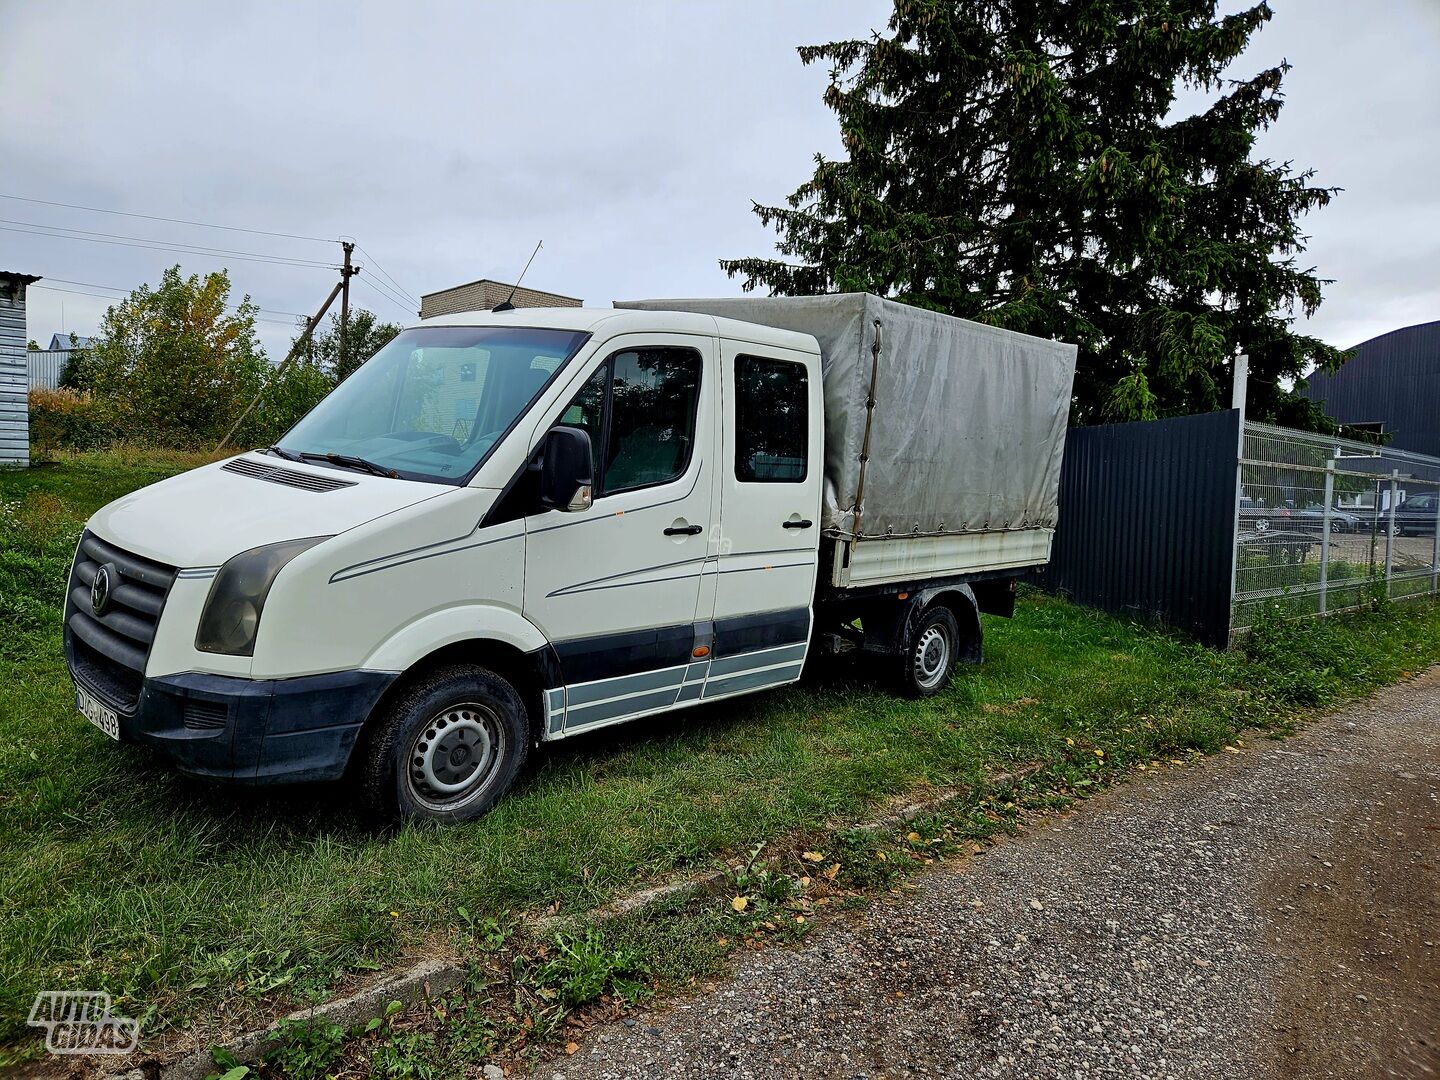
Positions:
{"x": 740, "y": 903}
{"x": 812, "y": 856}
{"x": 830, "y": 871}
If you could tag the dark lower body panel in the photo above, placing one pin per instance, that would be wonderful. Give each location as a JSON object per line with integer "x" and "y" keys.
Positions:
{"x": 258, "y": 731}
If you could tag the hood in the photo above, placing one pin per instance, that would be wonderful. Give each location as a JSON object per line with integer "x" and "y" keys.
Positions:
{"x": 203, "y": 517}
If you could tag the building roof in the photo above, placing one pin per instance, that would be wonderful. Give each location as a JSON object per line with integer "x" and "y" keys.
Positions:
{"x": 27, "y": 278}
{"x": 62, "y": 343}
{"x": 1391, "y": 383}
{"x": 484, "y": 294}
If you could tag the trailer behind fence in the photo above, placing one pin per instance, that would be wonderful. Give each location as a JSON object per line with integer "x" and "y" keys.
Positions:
{"x": 1327, "y": 524}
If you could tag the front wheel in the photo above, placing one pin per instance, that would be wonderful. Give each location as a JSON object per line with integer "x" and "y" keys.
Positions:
{"x": 928, "y": 659}
{"x": 447, "y": 748}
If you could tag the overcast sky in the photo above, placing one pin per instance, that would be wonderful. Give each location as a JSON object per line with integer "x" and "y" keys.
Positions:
{"x": 630, "y": 137}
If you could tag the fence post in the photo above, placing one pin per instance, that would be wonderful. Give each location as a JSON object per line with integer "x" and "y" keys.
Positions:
{"x": 1325, "y": 533}
{"x": 1435, "y": 551}
{"x": 1238, "y": 390}
{"x": 1390, "y": 527}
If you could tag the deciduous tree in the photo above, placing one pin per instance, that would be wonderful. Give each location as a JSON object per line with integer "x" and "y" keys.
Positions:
{"x": 365, "y": 336}
{"x": 173, "y": 363}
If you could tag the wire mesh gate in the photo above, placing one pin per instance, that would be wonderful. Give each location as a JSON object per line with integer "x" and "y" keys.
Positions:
{"x": 1324, "y": 524}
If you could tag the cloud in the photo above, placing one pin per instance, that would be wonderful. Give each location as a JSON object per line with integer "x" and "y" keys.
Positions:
{"x": 630, "y": 137}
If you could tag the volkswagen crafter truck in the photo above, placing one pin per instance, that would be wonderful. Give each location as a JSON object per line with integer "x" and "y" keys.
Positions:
{"x": 512, "y": 527}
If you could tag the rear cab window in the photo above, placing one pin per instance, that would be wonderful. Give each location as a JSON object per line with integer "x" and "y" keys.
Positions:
{"x": 772, "y": 421}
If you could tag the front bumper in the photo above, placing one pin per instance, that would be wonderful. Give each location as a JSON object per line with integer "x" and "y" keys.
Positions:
{"x": 252, "y": 731}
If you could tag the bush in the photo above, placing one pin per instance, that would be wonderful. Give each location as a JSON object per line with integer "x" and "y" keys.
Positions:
{"x": 66, "y": 420}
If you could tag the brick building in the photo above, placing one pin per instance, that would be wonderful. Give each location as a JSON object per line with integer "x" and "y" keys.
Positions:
{"x": 484, "y": 294}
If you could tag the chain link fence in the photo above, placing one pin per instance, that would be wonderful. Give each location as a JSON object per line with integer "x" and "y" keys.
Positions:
{"x": 1327, "y": 524}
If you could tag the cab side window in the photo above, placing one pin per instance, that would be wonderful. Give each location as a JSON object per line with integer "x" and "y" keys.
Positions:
{"x": 772, "y": 421}
{"x": 639, "y": 409}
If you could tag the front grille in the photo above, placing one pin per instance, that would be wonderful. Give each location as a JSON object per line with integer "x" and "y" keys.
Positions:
{"x": 110, "y": 650}
{"x": 205, "y": 715}
{"x": 289, "y": 477}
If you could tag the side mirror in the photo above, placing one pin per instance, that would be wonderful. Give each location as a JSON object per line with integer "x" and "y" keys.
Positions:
{"x": 565, "y": 480}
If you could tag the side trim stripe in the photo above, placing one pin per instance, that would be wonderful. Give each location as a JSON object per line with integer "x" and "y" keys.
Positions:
{"x": 752, "y": 680}
{"x": 764, "y": 658}
{"x": 608, "y": 710}
{"x": 625, "y": 685}
{"x": 389, "y": 562}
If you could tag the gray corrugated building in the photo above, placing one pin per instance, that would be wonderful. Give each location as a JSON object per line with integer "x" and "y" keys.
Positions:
{"x": 1391, "y": 384}
{"x": 484, "y": 294}
{"x": 14, "y": 373}
{"x": 47, "y": 366}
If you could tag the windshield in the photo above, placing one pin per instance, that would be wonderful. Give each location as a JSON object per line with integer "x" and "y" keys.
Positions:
{"x": 432, "y": 402}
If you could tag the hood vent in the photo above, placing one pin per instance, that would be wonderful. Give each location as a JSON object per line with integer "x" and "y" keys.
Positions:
{"x": 289, "y": 477}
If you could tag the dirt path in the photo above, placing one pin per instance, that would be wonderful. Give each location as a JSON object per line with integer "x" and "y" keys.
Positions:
{"x": 1270, "y": 914}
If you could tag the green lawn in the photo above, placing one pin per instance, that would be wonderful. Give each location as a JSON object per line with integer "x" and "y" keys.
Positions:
{"x": 116, "y": 874}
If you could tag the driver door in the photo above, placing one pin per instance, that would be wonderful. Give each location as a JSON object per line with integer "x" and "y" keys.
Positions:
{"x": 615, "y": 587}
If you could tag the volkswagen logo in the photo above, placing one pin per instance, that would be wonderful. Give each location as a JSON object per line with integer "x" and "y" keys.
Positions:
{"x": 101, "y": 587}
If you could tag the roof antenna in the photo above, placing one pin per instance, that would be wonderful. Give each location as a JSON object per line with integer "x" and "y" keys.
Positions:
{"x": 506, "y": 305}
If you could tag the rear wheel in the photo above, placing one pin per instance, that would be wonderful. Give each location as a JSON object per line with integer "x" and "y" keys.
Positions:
{"x": 928, "y": 658}
{"x": 447, "y": 749}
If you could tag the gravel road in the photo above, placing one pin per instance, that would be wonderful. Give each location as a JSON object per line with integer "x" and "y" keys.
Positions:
{"x": 1274, "y": 913}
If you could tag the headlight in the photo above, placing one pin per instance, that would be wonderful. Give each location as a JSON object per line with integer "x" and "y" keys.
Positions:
{"x": 232, "y": 611}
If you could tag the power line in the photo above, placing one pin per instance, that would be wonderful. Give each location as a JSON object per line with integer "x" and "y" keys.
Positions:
{"x": 102, "y": 296}
{"x": 186, "y": 248}
{"x": 65, "y": 233}
{"x": 122, "y": 289}
{"x": 171, "y": 250}
{"x": 372, "y": 284}
{"x": 384, "y": 273}
{"x": 126, "y": 292}
{"x": 384, "y": 290}
{"x": 176, "y": 221}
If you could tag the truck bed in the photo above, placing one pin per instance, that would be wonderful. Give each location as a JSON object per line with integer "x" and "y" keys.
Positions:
{"x": 943, "y": 437}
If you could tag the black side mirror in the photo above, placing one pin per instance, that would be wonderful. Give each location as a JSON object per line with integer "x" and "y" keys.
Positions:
{"x": 565, "y": 480}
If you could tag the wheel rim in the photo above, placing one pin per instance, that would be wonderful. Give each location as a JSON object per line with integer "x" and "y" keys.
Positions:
{"x": 454, "y": 755}
{"x": 931, "y": 658}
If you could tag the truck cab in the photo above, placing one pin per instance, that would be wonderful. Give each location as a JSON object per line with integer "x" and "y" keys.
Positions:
{"x": 503, "y": 528}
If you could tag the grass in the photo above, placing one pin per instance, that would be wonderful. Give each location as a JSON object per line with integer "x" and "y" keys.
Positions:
{"x": 186, "y": 900}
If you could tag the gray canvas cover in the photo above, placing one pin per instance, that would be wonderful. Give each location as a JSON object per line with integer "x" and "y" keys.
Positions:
{"x": 969, "y": 420}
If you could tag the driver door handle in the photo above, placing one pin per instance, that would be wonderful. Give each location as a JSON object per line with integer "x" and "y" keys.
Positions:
{"x": 803, "y": 523}
{"x": 684, "y": 530}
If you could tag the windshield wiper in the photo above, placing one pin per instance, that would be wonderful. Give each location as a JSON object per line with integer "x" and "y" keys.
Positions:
{"x": 279, "y": 452}
{"x": 350, "y": 461}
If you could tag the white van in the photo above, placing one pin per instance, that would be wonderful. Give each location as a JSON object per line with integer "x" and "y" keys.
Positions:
{"x": 511, "y": 527}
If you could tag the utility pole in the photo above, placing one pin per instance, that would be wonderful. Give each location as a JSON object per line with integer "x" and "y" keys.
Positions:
{"x": 302, "y": 343}
{"x": 346, "y": 273}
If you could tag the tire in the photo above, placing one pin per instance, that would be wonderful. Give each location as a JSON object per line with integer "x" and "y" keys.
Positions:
{"x": 927, "y": 660}
{"x": 446, "y": 749}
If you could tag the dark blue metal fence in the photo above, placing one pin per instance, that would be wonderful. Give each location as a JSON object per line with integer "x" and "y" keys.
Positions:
{"x": 1147, "y": 522}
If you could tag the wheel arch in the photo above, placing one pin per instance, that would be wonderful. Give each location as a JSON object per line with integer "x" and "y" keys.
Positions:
{"x": 528, "y": 672}
{"x": 960, "y": 599}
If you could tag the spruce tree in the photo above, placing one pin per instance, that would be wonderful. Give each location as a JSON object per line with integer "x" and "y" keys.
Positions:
{"x": 1043, "y": 165}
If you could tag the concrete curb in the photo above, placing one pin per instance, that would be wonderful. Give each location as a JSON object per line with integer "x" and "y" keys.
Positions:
{"x": 426, "y": 979}
{"x": 431, "y": 978}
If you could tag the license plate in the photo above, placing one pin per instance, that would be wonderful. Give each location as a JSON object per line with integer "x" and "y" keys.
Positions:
{"x": 100, "y": 715}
